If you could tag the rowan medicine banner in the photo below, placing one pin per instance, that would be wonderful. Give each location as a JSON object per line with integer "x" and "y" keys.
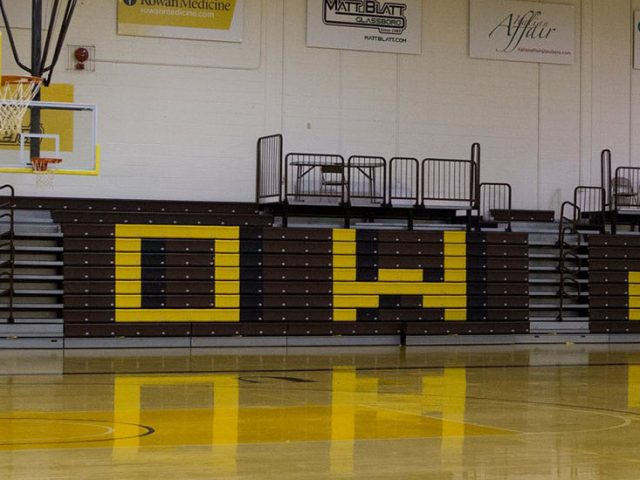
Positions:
{"x": 522, "y": 31}
{"x": 220, "y": 20}
{"x": 372, "y": 25}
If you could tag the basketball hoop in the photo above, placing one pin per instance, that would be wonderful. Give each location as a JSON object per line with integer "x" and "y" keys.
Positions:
{"x": 16, "y": 93}
{"x": 44, "y": 174}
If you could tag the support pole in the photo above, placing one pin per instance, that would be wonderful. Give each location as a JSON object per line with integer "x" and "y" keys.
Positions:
{"x": 36, "y": 70}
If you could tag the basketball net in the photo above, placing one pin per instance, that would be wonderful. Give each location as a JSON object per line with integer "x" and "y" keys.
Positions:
{"x": 42, "y": 168}
{"x": 16, "y": 93}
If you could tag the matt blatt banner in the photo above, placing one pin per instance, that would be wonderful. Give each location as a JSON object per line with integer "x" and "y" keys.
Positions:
{"x": 372, "y": 25}
{"x": 220, "y": 20}
{"x": 522, "y": 31}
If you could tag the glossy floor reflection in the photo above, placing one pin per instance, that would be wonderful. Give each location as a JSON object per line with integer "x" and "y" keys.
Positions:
{"x": 567, "y": 412}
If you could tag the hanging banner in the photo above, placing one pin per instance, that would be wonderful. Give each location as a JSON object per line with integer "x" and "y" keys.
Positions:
{"x": 371, "y": 25}
{"x": 220, "y": 20}
{"x": 522, "y": 31}
{"x": 636, "y": 39}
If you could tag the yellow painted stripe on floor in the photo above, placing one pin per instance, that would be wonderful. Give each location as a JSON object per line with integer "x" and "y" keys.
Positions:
{"x": 177, "y": 231}
{"x": 634, "y": 314}
{"x": 633, "y": 395}
{"x": 634, "y": 289}
{"x": 177, "y": 315}
{"x": 634, "y": 277}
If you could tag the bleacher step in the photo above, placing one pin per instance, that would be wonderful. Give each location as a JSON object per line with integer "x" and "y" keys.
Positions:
{"x": 33, "y": 306}
{"x": 42, "y": 292}
{"x": 31, "y": 330}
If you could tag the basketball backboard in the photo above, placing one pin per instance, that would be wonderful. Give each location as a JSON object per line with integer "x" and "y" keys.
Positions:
{"x": 67, "y": 131}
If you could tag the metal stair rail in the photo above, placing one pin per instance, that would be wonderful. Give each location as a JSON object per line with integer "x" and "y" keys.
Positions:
{"x": 568, "y": 251}
{"x": 7, "y": 244}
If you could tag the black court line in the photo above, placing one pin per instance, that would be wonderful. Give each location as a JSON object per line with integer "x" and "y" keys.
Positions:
{"x": 314, "y": 370}
{"x": 147, "y": 430}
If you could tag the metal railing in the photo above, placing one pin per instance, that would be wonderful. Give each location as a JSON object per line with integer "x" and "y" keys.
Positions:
{"x": 315, "y": 175}
{"x": 269, "y": 169}
{"x": 494, "y": 197}
{"x": 327, "y": 179}
{"x": 404, "y": 181}
{"x": 475, "y": 159}
{"x": 605, "y": 178}
{"x": 568, "y": 251}
{"x": 448, "y": 182}
{"x": 7, "y": 244}
{"x": 367, "y": 179}
{"x": 624, "y": 187}
{"x": 592, "y": 204}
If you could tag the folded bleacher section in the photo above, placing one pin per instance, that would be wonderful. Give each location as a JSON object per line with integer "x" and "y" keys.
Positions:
{"x": 143, "y": 280}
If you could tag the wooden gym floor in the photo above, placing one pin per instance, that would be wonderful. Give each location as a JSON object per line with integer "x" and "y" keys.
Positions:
{"x": 567, "y": 412}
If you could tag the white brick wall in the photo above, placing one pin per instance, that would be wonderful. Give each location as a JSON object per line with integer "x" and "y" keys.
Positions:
{"x": 179, "y": 119}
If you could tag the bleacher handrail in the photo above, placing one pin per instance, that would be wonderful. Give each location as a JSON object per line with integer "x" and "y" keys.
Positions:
{"x": 9, "y": 205}
{"x": 475, "y": 158}
{"x": 566, "y": 250}
{"x": 605, "y": 177}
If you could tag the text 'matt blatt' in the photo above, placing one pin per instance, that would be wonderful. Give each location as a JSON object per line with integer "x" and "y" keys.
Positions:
{"x": 389, "y": 26}
{"x": 386, "y": 17}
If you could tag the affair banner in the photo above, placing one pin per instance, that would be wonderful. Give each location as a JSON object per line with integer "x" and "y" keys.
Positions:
{"x": 220, "y": 20}
{"x": 636, "y": 39}
{"x": 371, "y": 25}
{"x": 522, "y": 31}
